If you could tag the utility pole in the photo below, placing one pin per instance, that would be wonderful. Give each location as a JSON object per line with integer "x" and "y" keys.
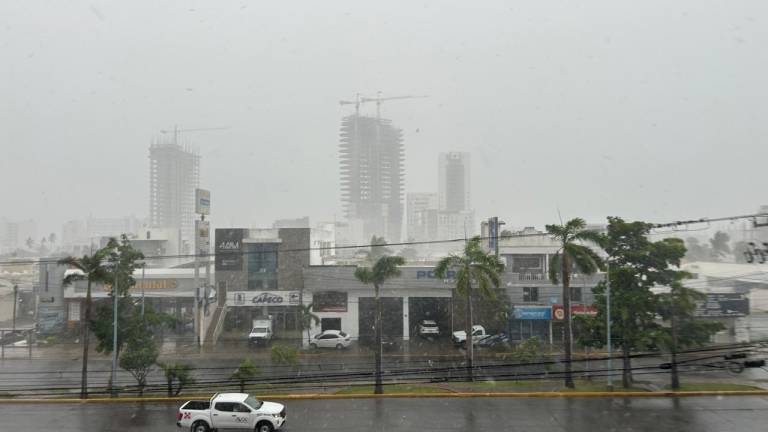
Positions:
{"x": 15, "y": 301}
{"x": 113, "y": 376}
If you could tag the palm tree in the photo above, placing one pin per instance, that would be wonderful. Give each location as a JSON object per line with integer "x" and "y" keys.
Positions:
{"x": 306, "y": 318}
{"x": 92, "y": 269}
{"x": 572, "y": 254}
{"x": 474, "y": 265}
{"x": 385, "y": 268}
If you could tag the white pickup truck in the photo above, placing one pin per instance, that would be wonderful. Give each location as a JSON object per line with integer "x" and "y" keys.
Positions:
{"x": 460, "y": 337}
{"x": 231, "y": 411}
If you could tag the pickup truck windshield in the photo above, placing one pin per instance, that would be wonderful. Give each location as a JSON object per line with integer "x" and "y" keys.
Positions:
{"x": 253, "y": 402}
{"x": 259, "y": 330}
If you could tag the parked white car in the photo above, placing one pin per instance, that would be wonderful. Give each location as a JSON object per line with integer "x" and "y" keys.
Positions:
{"x": 428, "y": 328}
{"x": 460, "y": 337}
{"x": 231, "y": 411}
{"x": 331, "y": 339}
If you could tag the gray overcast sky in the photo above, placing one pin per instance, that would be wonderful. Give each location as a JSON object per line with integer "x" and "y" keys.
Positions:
{"x": 651, "y": 109}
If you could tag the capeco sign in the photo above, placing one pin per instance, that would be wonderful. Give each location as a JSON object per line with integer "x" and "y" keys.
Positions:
{"x": 263, "y": 298}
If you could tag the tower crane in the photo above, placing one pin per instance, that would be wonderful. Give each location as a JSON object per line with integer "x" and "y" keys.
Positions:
{"x": 176, "y": 131}
{"x": 378, "y": 99}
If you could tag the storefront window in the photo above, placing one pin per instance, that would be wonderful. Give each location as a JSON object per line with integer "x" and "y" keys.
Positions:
{"x": 262, "y": 266}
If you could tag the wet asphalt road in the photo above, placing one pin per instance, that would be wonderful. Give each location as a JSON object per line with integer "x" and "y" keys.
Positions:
{"x": 699, "y": 414}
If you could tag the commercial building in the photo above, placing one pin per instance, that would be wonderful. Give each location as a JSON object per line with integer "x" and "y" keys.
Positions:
{"x": 371, "y": 155}
{"x": 174, "y": 174}
{"x": 534, "y": 304}
{"x": 259, "y": 275}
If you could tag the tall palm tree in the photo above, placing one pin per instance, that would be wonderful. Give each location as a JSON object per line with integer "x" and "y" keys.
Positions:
{"x": 384, "y": 269}
{"x": 474, "y": 265}
{"x": 92, "y": 269}
{"x": 306, "y": 318}
{"x": 571, "y": 255}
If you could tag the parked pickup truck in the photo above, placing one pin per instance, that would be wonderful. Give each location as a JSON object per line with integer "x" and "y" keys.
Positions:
{"x": 460, "y": 337}
{"x": 231, "y": 411}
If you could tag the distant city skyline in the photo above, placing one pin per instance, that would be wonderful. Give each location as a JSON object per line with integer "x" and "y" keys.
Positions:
{"x": 549, "y": 98}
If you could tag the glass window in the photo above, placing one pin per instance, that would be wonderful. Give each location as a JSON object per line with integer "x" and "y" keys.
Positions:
{"x": 576, "y": 294}
{"x": 241, "y": 408}
{"x": 225, "y": 406}
{"x": 531, "y": 294}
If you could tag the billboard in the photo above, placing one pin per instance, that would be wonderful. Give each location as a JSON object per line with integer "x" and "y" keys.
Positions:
{"x": 723, "y": 305}
{"x": 262, "y": 298}
{"x": 202, "y": 201}
{"x": 532, "y": 313}
{"x": 229, "y": 249}
{"x": 202, "y": 237}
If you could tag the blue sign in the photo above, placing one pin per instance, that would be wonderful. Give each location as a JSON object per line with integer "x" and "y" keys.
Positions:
{"x": 430, "y": 274}
{"x": 532, "y": 312}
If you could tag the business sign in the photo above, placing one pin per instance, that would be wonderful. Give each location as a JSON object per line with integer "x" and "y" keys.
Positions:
{"x": 229, "y": 245}
{"x": 532, "y": 313}
{"x": 202, "y": 201}
{"x": 202, "y": 237}
{"x": 723, "y": 305}
{"x": 430, "y": 274}
{"x": 263, "y": 298}
{"x": 329, "y": 301}
{"x": 558, "y": 311}
{"x": 155, "y": 284}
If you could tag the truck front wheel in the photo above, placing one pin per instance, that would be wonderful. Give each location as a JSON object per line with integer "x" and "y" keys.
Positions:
{"x": 264, "y": 426}
{"x": 200, "y": 426}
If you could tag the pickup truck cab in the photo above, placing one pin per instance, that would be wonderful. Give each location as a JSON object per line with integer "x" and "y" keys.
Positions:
{"x": 231, "y": 411}
{"x": 460, "y": 337}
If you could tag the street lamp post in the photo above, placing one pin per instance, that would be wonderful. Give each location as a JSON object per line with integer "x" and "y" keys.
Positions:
{"x": 608, "y": 322}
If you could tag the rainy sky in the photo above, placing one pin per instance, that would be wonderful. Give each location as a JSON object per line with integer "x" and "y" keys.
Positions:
{"x": 652, "y": 110}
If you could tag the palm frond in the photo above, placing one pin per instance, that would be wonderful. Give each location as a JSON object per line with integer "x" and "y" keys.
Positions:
{"x": 591, "y": 236}
{"x": 554, "y": 268}
{"x": 556, "y": 231}
{"x": 585, "y": 259}
{"x": 364, "y": 275}
{"x": 445, "y": 264}
{"x": 575, "y": 225}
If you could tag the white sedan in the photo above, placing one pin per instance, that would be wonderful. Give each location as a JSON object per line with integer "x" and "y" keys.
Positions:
{"x": 330, "y": 339}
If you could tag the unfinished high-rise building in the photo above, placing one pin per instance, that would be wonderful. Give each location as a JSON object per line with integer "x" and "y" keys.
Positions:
{"x": 372, "y": 175}
{"x": 174, "y": 174}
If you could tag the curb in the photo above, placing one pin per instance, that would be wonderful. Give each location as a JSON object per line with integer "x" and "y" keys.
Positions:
{"x": 552, "y": 395}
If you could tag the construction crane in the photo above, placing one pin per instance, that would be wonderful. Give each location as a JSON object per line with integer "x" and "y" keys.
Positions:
{"x": 176, "y": 131}
{"x": 378, "y": 99}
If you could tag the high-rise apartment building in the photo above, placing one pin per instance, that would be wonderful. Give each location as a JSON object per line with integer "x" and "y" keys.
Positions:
{"x": 372, "y": 175}
{"x": 421, "y": 216}
{"x": 453, "y": 181}
{"x": 174, "y": 174}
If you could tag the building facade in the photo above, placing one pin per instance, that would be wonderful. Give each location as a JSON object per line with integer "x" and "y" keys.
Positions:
{"x": 371, "y": 155}
{"x": 454, "y": 181}
{"x": 259, "y": 275}
{"x": 421, "y": 216}
{"x": 174, "y": 174}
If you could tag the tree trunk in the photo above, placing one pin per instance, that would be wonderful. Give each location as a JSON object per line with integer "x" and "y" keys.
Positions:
{"x": 170, "y": 386}
{"x": 675, "y": 376}
{"x": 626, "y": 373}
{"x": 566, "y": 273}
{"x": 86, "y": 332}
{"x": 378, "y": 389}
{"x": 469, "y": 342}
